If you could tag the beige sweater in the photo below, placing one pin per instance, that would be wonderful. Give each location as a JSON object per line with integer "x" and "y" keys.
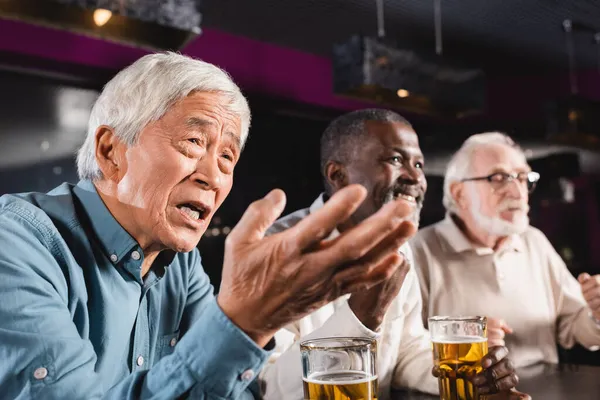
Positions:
{"x": 525, "y": 282}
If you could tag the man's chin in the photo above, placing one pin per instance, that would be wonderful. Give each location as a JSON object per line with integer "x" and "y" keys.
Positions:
{"x": 184, "y": 243}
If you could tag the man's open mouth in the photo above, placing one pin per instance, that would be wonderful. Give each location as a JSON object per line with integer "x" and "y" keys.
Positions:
{"x": 195, "y": 211}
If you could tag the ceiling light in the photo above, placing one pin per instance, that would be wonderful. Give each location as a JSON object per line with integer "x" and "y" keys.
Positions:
{"x": 101, "y": 16}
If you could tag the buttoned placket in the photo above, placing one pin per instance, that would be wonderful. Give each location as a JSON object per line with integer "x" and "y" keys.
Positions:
{"x": 141, "y": 355}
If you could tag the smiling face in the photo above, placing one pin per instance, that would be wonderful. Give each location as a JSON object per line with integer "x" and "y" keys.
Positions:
{"x": 179, "y": 172}
{"x": 388, "y": 162}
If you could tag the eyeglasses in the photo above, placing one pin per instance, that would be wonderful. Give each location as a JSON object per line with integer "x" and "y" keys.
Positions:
{"x": 499, "y": 180}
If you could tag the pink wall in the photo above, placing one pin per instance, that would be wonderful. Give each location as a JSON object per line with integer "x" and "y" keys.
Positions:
{"x": 256, "y": 66}
{"x": 273, "y": 70}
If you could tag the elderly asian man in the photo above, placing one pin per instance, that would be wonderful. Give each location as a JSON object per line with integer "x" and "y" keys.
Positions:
{"x": 102, "y": 292}
{"x": 485, "y": 258}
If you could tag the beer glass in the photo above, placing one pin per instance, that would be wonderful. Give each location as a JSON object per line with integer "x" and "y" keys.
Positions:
{"x": 459, "y": 343}
{"x": 340, "y": 368}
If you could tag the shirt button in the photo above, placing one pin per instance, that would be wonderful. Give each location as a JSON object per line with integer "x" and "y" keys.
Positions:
{"x": 136, "y": 255}
{"x": 173, "y": 342}
{"x": 140, "y": 361}
{"x": 113, "y": 258}
{"x": 247, "y": 375}
{"x": 40, "y": 373}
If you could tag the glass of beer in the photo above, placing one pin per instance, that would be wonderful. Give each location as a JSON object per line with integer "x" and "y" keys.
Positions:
{"x": 341, "y": 368}
{"x": 459, "y": 344}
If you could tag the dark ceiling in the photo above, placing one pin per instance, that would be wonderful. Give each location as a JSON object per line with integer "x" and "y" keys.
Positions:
{"x": 498, "y": 35}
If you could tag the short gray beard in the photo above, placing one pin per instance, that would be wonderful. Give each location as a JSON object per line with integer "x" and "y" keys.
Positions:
{"x": 495, "y": 225}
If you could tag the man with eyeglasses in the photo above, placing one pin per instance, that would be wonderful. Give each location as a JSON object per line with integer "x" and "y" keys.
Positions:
{"x": 485, "y": 259}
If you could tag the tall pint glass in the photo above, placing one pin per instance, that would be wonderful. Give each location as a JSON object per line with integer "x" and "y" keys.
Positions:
{"x": 459, "y": 343}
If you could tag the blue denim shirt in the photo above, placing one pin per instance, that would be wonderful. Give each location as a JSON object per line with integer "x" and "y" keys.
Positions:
{"x": 78, "y": 321}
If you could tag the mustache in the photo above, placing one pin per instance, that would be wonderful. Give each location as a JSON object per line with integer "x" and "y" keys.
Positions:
{"x": 509, "y": 204}
{"x": 406, "y": 189}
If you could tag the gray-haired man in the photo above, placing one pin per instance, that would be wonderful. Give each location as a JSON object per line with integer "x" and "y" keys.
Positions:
{"x": 102, "y": 293}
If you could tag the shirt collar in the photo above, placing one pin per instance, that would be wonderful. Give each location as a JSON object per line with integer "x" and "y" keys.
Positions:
{"x": 456, "y": 241}
{"x": 116, "y": 242}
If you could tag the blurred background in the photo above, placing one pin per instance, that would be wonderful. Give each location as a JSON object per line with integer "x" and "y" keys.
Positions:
{"x": 530, "y": 68}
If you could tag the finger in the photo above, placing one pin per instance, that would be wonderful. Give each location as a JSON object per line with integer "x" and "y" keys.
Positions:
{"x": 496, "y": 333}
{"x": 497, "y": 371}
{"x": 594, "y": 303}
{"x": 507, "y": 329}
{"x": 258, "y": 217}
{"x": 370, "y": 241}
{"x": 496, "y": 342}
{"x": 583, "y": 277}
{"x": 318, "y": 225}
{"x": 503, "y": 384}
{"x": 516, "y": 395}
{"x": 494, "y": 355}
{"x": 379, "y": 273}
{"x": 590, "y": 288}
{"x": 504, "y": 326}
{"x": 589, "y": 284}
{"x": 386, "y": 247}
{"x": 493, "y": 322}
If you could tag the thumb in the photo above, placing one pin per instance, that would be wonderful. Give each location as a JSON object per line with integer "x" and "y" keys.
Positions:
{"x": 505, "y": 327}
{"x": 583, "y": 277}
{"x": 258, "y": 217}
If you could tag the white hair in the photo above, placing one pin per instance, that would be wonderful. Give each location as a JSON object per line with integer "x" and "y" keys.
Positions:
{"x": 143, "y": 92}
{"x": 460, "y": 164}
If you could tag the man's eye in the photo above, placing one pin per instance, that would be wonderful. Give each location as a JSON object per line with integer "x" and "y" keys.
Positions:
{"x": 396, "y": 159}
{"x": 419, "y": 165}
{"x": 228, "y": 157}
{"x": 499, "y": 178}
{"x": 194, "y": 141}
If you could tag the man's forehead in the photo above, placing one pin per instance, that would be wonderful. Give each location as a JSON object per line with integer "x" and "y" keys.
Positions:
{"x": 394, "y": 134}
{"x": 498, "y": 157}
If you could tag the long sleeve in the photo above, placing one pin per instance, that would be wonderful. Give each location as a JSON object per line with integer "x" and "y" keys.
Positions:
{"x": 44, "y": 355}
{"x": 415, "y": 358}
{"x": 282, "y": 376}
{"x": 573, "y": 314}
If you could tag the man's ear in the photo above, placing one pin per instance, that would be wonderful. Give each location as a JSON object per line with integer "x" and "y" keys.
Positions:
{"x": 457, "y": 191}
{"x": 107, "y": 153}
{"x": 336, "y": 175}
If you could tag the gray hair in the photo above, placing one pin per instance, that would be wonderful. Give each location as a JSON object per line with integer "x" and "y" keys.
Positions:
{"x": 143, "y": 92}
{"x": 460, "y": 164}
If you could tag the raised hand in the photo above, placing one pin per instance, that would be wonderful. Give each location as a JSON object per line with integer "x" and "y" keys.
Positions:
{"x": 590, "y": 287}
{"x": 269, "y": 282}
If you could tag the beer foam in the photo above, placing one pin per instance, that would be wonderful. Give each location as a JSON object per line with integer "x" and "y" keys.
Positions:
{"x": 458, "y": 339}
{"x": 342, "y": 378}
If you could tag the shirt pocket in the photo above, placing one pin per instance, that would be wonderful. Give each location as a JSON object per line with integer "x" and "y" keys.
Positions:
{"x": 166, "y": 345}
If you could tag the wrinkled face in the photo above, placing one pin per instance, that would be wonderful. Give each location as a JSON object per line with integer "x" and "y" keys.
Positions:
{"x": 181, "y": 170}
{"x": 389, "y": 164}
{"x": 498, "y": 208}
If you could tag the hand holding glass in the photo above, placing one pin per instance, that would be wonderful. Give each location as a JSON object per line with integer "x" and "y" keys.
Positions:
{"x": 459, "y": 344}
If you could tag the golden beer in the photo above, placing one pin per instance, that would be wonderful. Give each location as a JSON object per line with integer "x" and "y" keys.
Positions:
{"x": 458, "y": 358}
{"x": 339, "y": 368}
{"x": 340, "y": 385}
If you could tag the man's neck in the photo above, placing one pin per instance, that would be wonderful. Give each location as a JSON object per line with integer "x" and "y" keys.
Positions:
{"x": 121, "y": 213}
{"x": 478, "y": 236}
